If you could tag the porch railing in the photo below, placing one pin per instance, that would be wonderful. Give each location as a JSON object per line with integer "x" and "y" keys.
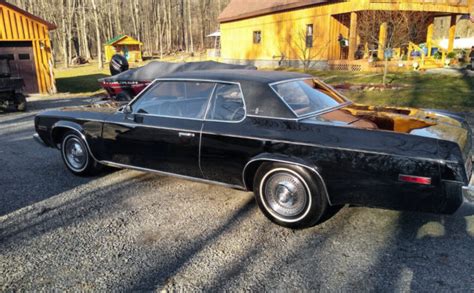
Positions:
{"x": 442, "y": 2}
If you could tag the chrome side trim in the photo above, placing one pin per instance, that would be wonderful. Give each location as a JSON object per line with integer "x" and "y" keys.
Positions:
{"x": 118, "y": 165}
{"x": 270, "y": 117}
{"x": 80, "y": 134}
{"x": 312, "y": 169}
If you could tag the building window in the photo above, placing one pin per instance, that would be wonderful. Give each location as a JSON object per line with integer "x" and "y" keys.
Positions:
{"x": 309, "y": 36}
{"x": 24, "y": 56}
{"x": 7, "y": 56}
{"x": 257, "y": 37}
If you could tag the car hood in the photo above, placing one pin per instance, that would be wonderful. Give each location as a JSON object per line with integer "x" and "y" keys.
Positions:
{"x": 97, "y": 107}
{"x": 421, "y": 122}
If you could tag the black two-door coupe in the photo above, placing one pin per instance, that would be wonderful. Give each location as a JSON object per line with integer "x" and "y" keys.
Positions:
{"x": 300, "y": 146}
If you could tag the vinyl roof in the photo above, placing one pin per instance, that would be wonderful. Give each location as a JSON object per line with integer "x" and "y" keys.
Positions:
{"x": 237, "y": 75}
{"x": 241, "y": 9}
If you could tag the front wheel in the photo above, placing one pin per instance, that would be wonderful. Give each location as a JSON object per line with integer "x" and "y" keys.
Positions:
{"x": 289, "y": 195}
{"x": 76, "y": 155}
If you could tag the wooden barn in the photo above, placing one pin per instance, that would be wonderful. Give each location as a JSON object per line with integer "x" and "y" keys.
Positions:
{"x": 24, "y": 40}
{"x": 124, "y": 45}
{"x": 266, "y": 32}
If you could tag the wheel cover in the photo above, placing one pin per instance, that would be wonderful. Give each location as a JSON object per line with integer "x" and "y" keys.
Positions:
{"x": 75, "y": 154}
{"x": 285, "y": 194}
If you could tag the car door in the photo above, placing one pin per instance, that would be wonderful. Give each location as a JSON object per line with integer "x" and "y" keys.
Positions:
{"x": 225, "y": 149}
{"x": 162, "y": 130}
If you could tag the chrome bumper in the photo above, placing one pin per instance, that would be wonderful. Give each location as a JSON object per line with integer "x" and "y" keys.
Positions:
{"x": 468, "y": 191}
{"x": 38, "y": 139}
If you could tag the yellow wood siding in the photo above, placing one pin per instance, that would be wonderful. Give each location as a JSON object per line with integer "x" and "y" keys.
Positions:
{"x": 281, "y": 32}
{"x": 15, "y": 26}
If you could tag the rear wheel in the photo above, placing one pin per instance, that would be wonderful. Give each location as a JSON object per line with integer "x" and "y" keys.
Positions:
{"x": 76, "y": 155}
{"x": 289, "y": 195}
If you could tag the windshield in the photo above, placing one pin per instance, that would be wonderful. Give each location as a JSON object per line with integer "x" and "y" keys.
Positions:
{"x": 308, "y": 96}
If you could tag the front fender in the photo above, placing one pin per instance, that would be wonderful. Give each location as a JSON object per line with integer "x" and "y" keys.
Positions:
{"x": 58, "y": 128}
{"x": 252, "y": 165}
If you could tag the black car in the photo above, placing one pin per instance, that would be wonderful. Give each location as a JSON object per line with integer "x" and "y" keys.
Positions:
{"x": 299, "y": 145}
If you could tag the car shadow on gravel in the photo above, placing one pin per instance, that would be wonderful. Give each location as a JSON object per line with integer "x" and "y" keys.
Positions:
{"x": 432, "y": 253}
{"x": 156, "y": 277}
{"x": 62, "y": 211}
{"x": 31, "y": 173}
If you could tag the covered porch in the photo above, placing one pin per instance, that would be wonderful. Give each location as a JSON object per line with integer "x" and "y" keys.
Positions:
{"x": 366, "y": 42}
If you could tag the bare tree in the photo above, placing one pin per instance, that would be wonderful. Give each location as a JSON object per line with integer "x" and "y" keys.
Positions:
{"x": 302, "y": 45}
{"x": 401, "y": 28}
{"x": 164, "y": 26}
{"x": 97, "y": 32}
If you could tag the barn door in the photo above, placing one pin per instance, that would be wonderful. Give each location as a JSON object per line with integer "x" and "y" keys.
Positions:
{"x": 22, "y": 62}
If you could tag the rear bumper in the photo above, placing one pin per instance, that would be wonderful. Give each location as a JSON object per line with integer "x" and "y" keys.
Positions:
{"x": 38, "y": 139}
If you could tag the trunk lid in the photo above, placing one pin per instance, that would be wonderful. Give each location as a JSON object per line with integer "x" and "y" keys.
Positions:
{"x": 426, "y": 123}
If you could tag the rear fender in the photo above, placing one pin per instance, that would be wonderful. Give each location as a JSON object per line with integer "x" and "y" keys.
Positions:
{"x": 267, "y": 157}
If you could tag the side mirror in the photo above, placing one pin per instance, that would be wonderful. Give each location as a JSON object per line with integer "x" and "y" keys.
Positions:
{"x": 127, "y": 109}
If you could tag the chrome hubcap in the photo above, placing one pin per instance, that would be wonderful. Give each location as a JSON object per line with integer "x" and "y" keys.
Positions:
{"x": 75, "y": 154}
{"x": 285, "y": 194}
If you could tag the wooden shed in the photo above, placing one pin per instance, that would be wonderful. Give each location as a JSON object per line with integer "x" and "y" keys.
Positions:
{"x": 24, "y": 40}
{"x": 125, "y": 45}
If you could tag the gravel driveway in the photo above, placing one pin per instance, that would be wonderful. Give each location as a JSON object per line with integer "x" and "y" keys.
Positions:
{"x": 127, "y": 230}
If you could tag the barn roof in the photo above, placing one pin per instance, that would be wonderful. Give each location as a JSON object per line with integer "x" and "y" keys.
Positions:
{"x": 240, "y": 9}
{"x": 49, "y": 25}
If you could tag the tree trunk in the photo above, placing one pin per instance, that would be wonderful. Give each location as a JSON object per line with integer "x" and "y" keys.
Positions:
{"x": 64, "y": 36}
{"x": 190, "y": 28}
{"x": 97, "y": 32}
{"x": 85, "y": 41}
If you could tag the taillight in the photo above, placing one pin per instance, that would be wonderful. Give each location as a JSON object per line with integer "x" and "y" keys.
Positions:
{"x": 415, "y": 179}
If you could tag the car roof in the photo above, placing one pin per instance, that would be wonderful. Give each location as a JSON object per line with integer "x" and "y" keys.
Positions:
{"x": 233, "y": 75}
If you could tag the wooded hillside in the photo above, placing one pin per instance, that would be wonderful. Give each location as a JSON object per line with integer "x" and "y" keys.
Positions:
{"x": 164, "y": 26}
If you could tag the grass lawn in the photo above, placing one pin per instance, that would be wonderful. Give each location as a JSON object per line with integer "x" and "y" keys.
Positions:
{"x": 79, "y": 79}
{"x": 417, "y": 89}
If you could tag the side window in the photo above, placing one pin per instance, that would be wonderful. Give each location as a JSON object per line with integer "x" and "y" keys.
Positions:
{"x": 257, "y": 37}
{"x": 227, "y": 104}
{"x": 183, "y": 99}
{"x": 309, "y": 36}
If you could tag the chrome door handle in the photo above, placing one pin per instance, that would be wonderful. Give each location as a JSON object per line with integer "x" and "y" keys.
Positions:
{"x": 185, "y": 134}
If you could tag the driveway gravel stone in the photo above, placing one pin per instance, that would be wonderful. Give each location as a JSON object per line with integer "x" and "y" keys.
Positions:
{"x": 126, "y": 230}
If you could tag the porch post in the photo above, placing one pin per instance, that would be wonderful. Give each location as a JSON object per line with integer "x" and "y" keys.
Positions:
{"x": 353, "y": 36}
{"x": 452, "y": 33}
{"x": 429, "y": 36}
{"x": 382, "y": 40}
